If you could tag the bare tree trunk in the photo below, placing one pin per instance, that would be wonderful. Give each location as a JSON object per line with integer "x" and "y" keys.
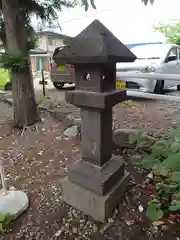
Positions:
{"x": 25, "y": 107}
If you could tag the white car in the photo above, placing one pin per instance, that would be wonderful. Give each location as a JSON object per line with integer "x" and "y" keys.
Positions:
{"x": 160, "y": 58}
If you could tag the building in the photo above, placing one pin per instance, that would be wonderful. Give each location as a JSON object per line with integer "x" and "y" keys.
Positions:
{"x": 47, "y": 42}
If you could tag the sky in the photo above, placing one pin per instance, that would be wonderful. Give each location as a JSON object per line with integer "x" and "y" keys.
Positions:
{"x": 129, "y": 20}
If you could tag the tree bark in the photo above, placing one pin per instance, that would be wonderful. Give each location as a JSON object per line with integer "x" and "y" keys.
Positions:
{"x": 25, "y": 107}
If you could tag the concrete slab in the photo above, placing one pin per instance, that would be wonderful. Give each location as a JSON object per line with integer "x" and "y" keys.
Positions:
{"x": 98, "y": 207}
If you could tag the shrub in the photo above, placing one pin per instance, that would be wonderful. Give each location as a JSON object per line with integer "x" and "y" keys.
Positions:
{"x": 163, "y": 160}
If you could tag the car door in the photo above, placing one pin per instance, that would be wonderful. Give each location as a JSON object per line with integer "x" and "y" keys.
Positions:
{"x": 171, "y": 66}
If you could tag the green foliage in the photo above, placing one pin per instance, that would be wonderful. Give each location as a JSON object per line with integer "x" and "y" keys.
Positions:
{"x": 154, "y": 211}
{"x": 141, "y": 141}
{"x": 163, "y": 160}
{"x": 175, "y": 206}
{"x": 14, "y": 60}
{"x": 147, "y": 1}
{"x": 171, "y": 31}
{"x": 134, "y": 139}
{"x": 4, "y": 77}
{"x": 5, "y": 220}
{"x": 85, "y": 3}
{"x": 46, "y": 12}
{"x": 49, "y": 9}
{"x": 32, "y": 42}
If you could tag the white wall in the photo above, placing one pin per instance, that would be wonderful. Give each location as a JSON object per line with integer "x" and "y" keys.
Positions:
{"x": 44, "y": 43}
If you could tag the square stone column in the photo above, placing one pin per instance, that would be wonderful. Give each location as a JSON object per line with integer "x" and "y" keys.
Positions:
{"x": 98, "y": 171}
{"x": 96, "y": 182}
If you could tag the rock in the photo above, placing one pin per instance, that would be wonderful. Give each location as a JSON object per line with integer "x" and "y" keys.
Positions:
{"x": 110, "y": 220}
{"x": 14, "y": 203}
{"x": 67, "y": 225}
{"x": 158, "y": 223}
{"x": 150, "y": 175}
{"x": 95, "y": 228}
{"x": 58, "y": 233}
{"x": 74, "y": 230}
{"x": 127, "y": 138}
{"x": 121, "y": 137}
{"x": 71, "y": 131}
{"x": 130, "y": 222}
{"x": 141, "y": 209}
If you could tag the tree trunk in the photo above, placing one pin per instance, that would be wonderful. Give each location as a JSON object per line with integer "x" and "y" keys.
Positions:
{"x": 25, "y": 107}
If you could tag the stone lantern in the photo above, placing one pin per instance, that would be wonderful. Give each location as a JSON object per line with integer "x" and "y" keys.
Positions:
{"x": 95, "y": 182}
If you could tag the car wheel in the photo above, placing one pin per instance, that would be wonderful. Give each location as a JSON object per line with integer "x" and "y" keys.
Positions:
{"x": 8, "y": 86}
{"x": 58, "y": 85}
{"x": 178, "y": 87}
{"x": 159, "y": 87}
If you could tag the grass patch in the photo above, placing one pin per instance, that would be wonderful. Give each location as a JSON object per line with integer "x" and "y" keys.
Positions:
{"x": 4, "y": 77}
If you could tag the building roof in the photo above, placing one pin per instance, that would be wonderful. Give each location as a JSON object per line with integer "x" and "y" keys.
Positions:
{"x": 95, "y": 44}
{"x": 52, "y": 34}
{"x": 37, "y": 51}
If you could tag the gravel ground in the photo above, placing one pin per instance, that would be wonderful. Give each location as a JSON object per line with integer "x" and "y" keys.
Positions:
{"x": 37, "y": 161}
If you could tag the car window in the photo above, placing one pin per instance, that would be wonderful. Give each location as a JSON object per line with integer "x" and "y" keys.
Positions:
{"x": 178, "y": 53}
{"x": 149, "y": 51}
{"x": 172, "y": 55}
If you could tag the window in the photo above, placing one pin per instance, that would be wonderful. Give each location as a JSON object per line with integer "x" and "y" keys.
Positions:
{"x": 172, "y": 55}
{"x": 50, "y": 41}
{"x": 178, "y": 53}
{"x": 38, "y": 64}
{"x": 149, "y": 51}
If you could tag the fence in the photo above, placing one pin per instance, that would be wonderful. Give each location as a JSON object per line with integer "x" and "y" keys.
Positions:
{"x": 151, "y": 76}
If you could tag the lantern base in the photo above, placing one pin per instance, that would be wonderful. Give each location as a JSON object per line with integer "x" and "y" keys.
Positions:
{"x": 98, "y": 207}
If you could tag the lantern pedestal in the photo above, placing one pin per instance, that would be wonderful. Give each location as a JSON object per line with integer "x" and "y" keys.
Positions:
{"x": 97, "y": 181}
{"x": 98, "y": 207}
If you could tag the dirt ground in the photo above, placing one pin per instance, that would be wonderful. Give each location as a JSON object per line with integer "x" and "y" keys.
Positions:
{"x": 37, "y": 160}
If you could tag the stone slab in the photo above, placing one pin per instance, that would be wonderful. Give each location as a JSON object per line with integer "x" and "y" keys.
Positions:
{"x": 98, "y": 207}
{"x": 14, "y": 203}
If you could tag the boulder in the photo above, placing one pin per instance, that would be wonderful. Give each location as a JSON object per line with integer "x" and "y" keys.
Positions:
{"x": 14, "y": 203}
{"x": 72, "y": 131}
{"x": 127, "y": 138}
{"x": 121, "y": 137}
